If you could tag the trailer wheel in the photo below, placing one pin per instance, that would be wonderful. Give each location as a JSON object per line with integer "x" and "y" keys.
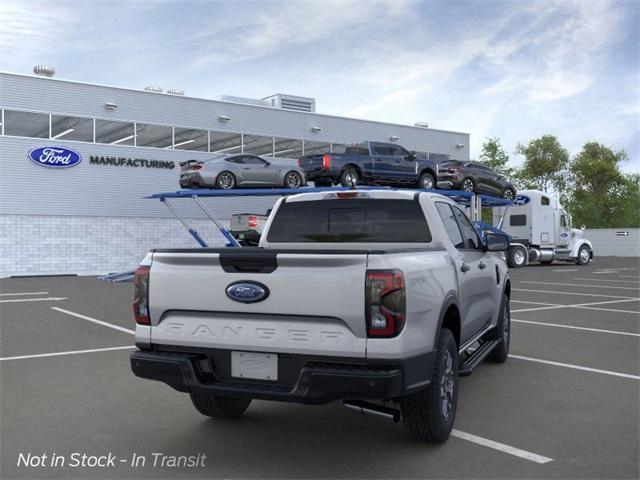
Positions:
{"x": 517, "y": 257}
{"x": 584, "y": 255}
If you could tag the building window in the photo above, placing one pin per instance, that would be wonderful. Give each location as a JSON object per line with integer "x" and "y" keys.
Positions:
{"x": 157, "y": 136}
{"x": 315, "y": 148}
{"x": 287, "y": 148}
{"x": 258, "y": 145}
{"x": 26, "y": 124}
{"x": 225, "y": 142}
{"x": 190, "y": 139}
{"x": 114, "y": 133}
{"x": 71, "y": 128}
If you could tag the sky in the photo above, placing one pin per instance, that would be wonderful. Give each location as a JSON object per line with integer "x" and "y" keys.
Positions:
{"x": 509, "y": 69}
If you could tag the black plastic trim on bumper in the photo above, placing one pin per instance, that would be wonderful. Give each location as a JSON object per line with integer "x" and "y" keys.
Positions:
{"x": 318, "y": 382}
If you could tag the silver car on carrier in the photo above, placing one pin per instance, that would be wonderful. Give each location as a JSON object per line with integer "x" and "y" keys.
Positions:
{"x": 241, "y": 170}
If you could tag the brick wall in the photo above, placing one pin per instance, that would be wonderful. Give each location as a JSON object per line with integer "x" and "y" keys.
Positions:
{"x": 42, "y": 245}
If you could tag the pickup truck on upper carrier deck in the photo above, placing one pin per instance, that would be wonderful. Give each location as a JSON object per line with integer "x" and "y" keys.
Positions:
{"x": 377, "y": 298}
{"x": 371, "y": 163}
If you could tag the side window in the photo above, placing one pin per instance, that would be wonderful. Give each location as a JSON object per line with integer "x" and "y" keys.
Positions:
{"x": 563, "y": 220}
{"x": 517, "y": 220}
{"x": 544, "y": 200}
{"x": 234, "y": 160}
{"x": 399, "y": 151}
{"x": 251, "y": 160}
{"x": 469, "y": 233}
{"x": 450, "y": 224}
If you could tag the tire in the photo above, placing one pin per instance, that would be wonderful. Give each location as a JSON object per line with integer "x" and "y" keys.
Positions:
{"x": 546, "y": 262}
{"x": 293, "y": 179}
{"x": 423, "y": 412}
{"x": 468, "y": 185}
{"x": 517, "y": 257}
{"x": 502, "y": 332}
{"x": 225, "y": 180}
{"x": 508, "y": 194}
{"x": 349, "y": 177}
{"x": 584, "y": 255}
{"x": 219, "y": 407}
{"x": 427, "y": 181}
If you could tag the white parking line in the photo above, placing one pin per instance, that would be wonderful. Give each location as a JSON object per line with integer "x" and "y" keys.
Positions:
{"x": 581, "y": 285}
{"x": 535, "y": 309}
{"x": 485, "y": 442}
{"x": 537, "y": 303}
{"x": 598, "y": 330}
{"x": 94, "y": 320}
{"x": 73, "y": 352}
{"x": 23, "y": 293}
{"x": 628, "y": 276}
{"x": 567, "y": 270}
{"x": 605, "y": 280}
{"x": 576, "y": 367}
{"x": 570, "y": 293}
{"x": 48, "y": 299}
{"x": 587, "y": 306}
{"x": 610, "y": 310}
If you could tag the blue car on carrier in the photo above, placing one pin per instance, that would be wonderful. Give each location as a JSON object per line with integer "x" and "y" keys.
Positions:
{"x": 371, "y": 163}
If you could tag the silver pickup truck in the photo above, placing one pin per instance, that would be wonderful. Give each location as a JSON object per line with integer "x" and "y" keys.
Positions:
{"x": 377, "y": 298}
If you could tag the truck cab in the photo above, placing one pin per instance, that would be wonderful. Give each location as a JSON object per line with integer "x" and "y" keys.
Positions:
{"x": 541, "y": 231}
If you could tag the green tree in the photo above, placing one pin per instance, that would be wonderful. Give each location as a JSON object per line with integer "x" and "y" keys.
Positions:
{"x": 545, "y": 164}
{"x": 494, "y": 156}
{"x": 600, "y": 195}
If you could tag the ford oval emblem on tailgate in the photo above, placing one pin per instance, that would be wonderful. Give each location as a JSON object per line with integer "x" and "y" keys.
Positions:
{"x": 247, "y": 291}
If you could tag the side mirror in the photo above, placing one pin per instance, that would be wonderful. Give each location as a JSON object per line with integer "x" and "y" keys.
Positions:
{"x": 412, "y": 156}
{"x": 583, "y": 228}
{"x": 495, "y": 242}
{"x": 266, "y": 164}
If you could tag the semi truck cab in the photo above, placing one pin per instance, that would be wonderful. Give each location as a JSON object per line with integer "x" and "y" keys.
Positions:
{"x": 541, "y": 231}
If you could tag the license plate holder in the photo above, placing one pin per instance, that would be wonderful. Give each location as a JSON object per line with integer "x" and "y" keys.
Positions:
{"x": 255, "y": 366}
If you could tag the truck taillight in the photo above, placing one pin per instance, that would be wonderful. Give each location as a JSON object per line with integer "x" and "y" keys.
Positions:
{"x": 385, "y": 303}
{"x": 252, "y": 222}
{"x": 141, "y": 296}
{"x": 326, "y": 161}
{"x": 196, "y": 167}
{"x": 454, "y": 170}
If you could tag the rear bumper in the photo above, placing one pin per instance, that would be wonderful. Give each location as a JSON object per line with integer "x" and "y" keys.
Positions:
{"x": 316, "y": 382}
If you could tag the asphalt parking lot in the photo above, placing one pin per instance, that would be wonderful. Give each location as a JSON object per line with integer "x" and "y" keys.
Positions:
{"x": 565, "y": 405}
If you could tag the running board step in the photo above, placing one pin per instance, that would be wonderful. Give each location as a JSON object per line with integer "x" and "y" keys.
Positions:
{"x": 468, "y": 366}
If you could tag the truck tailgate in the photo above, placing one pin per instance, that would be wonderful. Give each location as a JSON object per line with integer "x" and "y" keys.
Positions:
{"x": 315, "y": 302}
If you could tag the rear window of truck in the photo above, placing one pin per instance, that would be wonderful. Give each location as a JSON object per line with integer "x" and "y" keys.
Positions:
{"x": 350, "y": 220}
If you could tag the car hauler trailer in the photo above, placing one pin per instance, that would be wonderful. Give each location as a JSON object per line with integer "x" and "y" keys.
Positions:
{"x": 541, "y": 231}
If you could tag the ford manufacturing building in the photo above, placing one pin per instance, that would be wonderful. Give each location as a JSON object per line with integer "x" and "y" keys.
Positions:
{"x": 92, "y": 218}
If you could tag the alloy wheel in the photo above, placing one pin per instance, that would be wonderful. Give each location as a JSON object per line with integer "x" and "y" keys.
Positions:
{"x": 467, "y": 185}
{"x": 293, "y": 180}
{"x": 226, "y": 181}
{"x": 447, "y": 385}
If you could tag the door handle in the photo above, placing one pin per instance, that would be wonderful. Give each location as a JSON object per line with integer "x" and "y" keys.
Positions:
{"x": 465, "y": 267}
{"x": 246, "y": 168}
{"x": 482, "y": 265}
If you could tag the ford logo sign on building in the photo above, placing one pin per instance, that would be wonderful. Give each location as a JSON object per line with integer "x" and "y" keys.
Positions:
{"x": 55, "y": 157}
{"x": 247, "y": 292}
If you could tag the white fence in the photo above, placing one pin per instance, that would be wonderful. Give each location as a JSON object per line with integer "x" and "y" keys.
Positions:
{"x": 614, "y": 242}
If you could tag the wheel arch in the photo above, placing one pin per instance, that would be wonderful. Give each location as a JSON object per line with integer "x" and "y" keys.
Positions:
{"x": 430, "y": 171}
{"x": 450, "y": 318}
{"x": 354, "y": 166}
